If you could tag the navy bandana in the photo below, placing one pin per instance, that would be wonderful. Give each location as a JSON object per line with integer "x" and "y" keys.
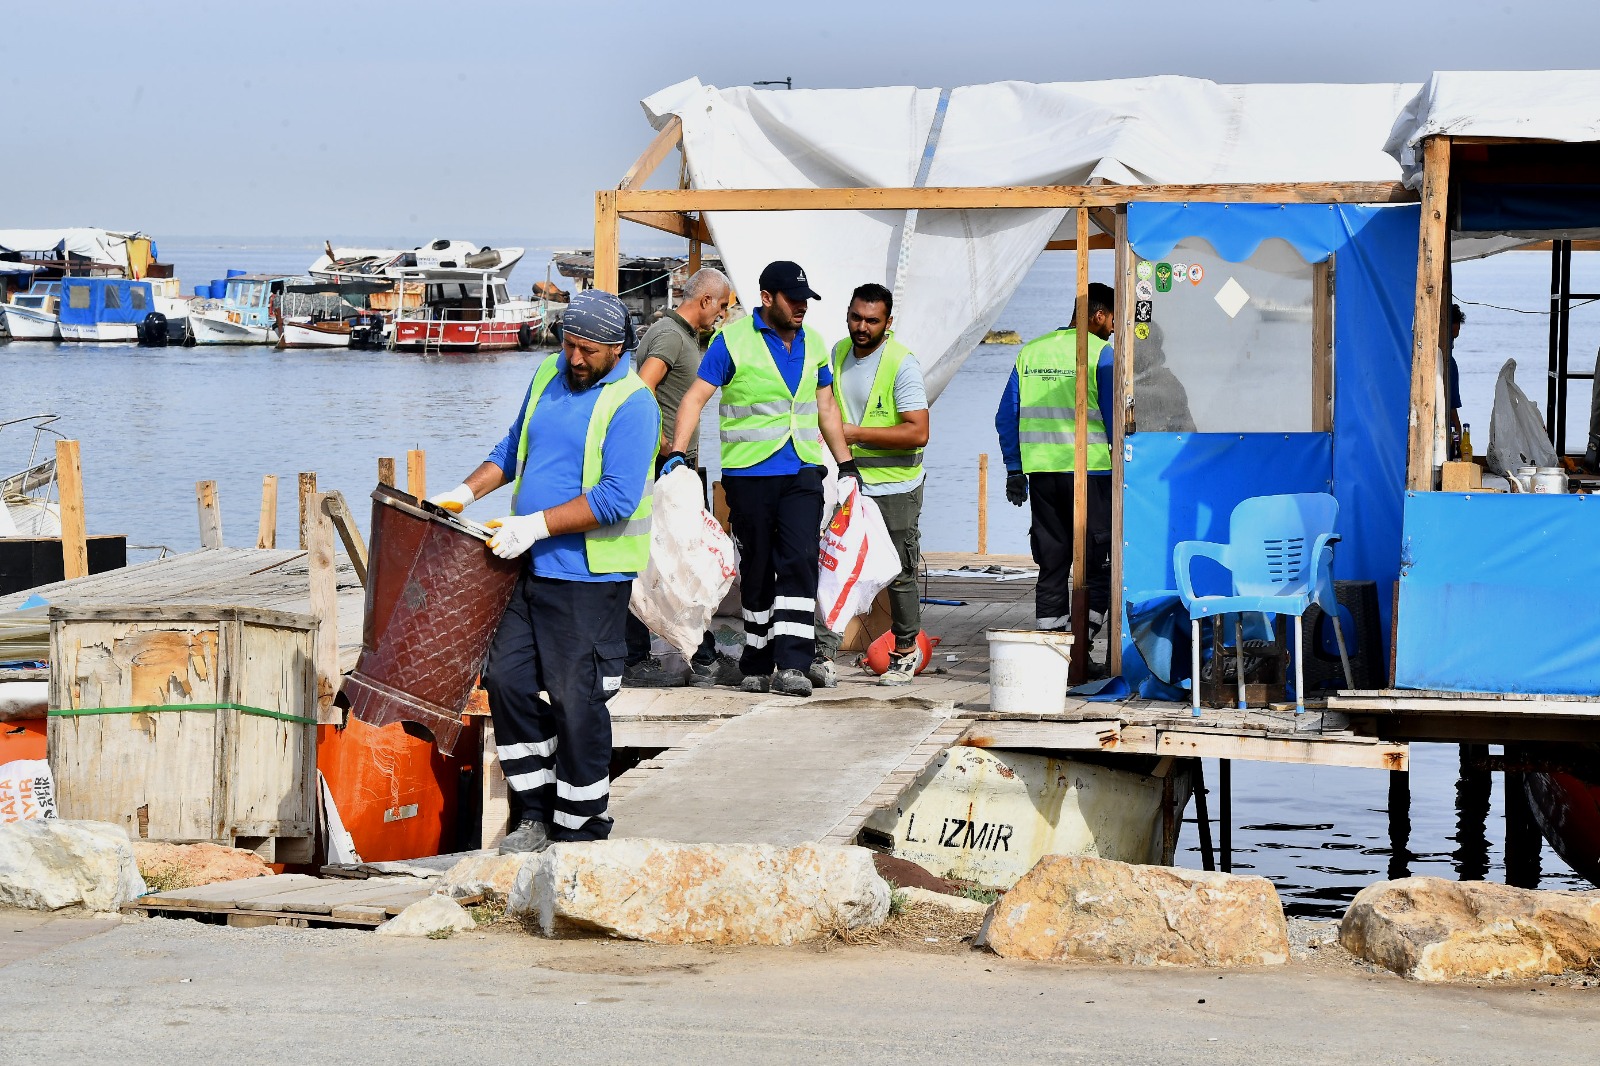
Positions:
{"x": 598, "y": 316}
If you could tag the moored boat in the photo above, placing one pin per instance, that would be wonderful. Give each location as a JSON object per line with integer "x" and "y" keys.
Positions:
{"x": 34, "y": 315}
{"x": 246, "y": 314}
{"x": 465, "y": 310}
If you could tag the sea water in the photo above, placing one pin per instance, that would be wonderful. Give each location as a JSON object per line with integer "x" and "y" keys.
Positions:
{"x": 154, "y": 421}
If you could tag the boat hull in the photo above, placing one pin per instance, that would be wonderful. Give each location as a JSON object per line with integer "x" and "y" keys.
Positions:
{"x": 29, "y": 325}
{"x": 413, "y": 336}
{"x": 100, "y": 332}
{"x": 314, "y": 335}
{"x": 209, "y": 329}
{"x": 1567, "y": 810}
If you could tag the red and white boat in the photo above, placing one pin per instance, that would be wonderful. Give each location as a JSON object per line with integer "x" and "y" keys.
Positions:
{"x": 465, "y": 310}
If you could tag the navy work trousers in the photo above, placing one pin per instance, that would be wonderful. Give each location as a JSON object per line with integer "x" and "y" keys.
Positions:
{"x": 777, "y": 523}
{"x": 564, "y": 639}
{"x": 1050, "y": 536}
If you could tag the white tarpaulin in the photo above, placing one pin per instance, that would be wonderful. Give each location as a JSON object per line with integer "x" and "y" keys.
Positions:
{"x": 96, "y": 245}
{"x": 1550, "y": 105}
{"x": 954, "y": 271}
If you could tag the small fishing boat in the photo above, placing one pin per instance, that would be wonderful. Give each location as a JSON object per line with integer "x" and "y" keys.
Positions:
{"x": 338, "y": 314}
{"x": 465, "y": 310}
{"x": 246, "y": 314}
{"x": 104, "y": 309}
{"x": 34, "y": 315}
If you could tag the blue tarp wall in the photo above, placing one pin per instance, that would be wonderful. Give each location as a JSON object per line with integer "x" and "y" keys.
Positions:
{"x": 1184, "y": 486}
{"x": 97, "y": 311}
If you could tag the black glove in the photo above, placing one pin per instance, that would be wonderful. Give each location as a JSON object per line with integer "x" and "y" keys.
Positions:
{"x": 848, "y": 469}
{"x": 672, "y": 461}
{"x": 1016, "y": 487}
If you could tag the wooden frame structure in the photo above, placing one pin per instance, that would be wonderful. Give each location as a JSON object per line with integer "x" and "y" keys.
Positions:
{"x": 682, "y": 212}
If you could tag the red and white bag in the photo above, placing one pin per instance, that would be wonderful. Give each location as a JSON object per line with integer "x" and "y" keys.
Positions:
{"x": 692, "y": 563}
{"x": 858, "y": 559}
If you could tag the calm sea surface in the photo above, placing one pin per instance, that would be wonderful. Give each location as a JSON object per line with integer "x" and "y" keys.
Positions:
{"x": 154, "y": 421}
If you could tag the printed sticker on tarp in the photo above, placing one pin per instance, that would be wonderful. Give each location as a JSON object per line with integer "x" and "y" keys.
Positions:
{"x": 27, "y": 791}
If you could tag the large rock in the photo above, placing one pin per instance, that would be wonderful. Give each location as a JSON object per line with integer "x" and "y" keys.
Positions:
{"x": 1098, "y": 910}
{"x": 1430, "y": 929}
{"x": 701, "y": 893}
{"x": 191, "y": 865}
{"x": 431, "y": 914}
{"x": 488, "y": 875}
{"x": 50, "y": 863}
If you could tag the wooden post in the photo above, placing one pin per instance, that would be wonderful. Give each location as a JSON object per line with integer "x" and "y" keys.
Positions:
{"x": 1524, "y": 845}
{"x": 320, "y": 563}
{"x": 605, "y": 240}
{"x": 983, "y": 503}
{"x": 1225, "y": 813}
{"x": 1433, "y": 252}
{"x": 1399, "y": 824}
{"x": 1118, "y": 413}
{"x": 308, "y": 489}
{"x": 267, "y": 532}
{"x": 417, "y": 473}
{"x": 1322, "y": 346}
{"x": 386, "y": 472}
{"x": 344, "y": 523}
{"x": 1080, "y": 467}
{"x": 69, "y": 487}
{"x": 205, "y": 494}
{"x": 1202, "y": 817}
{"x": 696, "y": 254}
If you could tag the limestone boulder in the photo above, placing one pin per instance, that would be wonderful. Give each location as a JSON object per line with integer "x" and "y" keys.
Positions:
{"x": 47, "y": 864}
{"x": 488, "y": 875}
{"x": 944, "y": 903}
{"x": 1099, "y": 910}
{"x": 1429, "y": 929}
{"x": 432, "y": 914}
{"x": 668, "y": 893}
{"x": 171, "y": 866}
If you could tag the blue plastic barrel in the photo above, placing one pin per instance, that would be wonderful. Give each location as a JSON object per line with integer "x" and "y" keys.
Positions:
{"x": 203, "y": 291}
{"x": 236, "y": 273}
{"x": 219, "y": 289}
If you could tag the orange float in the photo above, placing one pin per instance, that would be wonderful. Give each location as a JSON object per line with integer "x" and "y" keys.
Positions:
{"x": 23, "y": 740}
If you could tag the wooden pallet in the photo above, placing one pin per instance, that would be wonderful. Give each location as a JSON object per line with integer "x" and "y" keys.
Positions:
{"x": 292, "y": 899}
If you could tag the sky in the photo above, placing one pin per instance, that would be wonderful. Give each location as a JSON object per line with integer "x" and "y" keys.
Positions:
{"x": 351, "y": 119}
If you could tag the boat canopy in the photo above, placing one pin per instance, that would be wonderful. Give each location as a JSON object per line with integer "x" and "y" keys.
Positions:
{"x": 342, "y": 288}
{"x": 85, "y": 301}
{"x": 102, "y": 247}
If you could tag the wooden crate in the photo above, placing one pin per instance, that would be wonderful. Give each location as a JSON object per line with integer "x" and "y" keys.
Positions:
{"x": 239, "y": 769}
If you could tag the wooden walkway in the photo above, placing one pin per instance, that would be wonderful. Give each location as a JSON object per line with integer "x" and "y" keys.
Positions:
{"x": 292, "y": 899}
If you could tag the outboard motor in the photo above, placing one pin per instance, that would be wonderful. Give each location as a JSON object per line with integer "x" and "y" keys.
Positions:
{"x": 366, "y": 332}
{"x": 152, "y": 331}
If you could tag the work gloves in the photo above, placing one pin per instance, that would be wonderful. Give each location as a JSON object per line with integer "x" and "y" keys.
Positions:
{"x": 455, "y": 501}
{"x": 1016, "y": 487}
{"x": 517, "y": 533}
{"x": 674, "y": 460}
{"x": 848, "y": 469}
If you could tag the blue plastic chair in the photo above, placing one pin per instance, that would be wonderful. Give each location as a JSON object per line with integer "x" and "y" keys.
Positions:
{"x": 1280, "y": 556}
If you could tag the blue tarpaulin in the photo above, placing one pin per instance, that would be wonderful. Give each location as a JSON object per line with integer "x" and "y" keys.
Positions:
{"x": 85, "y": 301}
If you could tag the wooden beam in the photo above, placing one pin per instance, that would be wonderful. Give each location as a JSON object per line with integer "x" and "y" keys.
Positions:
{"x": 205, "y": 495}
{"x": 320, "y": 563}
{"x": 675, "y": 222}
{"x": 605, "y": 236}
{"x": 267, "y": 529}
{"x": 308, "y": 489}
{"x": 69, "y": 490}
{"x": 386, "y": 472}
{"x": 417, "y": 473}
{"x": 1258, "y": 747}
{"x": 1433, "y": 252}
{"x": 1045, "y": 736}
{"x": 344, "y": 523}
{"x": 983, "y": 503}
{"x": 1079, "y": 669}
{"x": 1115, "y": 408}
{"x": 1322, "y": 346}
{"x": 665, "y": 142}
{"x": 966, "y": 199}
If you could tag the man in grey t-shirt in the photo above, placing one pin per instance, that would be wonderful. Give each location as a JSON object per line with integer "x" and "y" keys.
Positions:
{"x": 668, "y": 361}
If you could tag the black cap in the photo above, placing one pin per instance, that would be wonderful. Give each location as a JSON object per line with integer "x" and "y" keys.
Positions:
{"x": 787, "y": 278}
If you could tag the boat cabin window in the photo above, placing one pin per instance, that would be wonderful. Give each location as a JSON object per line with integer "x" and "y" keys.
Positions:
{"x": 246, "y": 293}
{"x": 1226, "y": 347}
{"x": 113, "y": 298}
{"x": 78, "y": 297}
{"x": 136, "y": 298}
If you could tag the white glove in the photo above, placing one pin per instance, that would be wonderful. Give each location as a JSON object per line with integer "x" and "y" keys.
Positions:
{"x": 517, "y": 533}
{"x": 455, "y": 501}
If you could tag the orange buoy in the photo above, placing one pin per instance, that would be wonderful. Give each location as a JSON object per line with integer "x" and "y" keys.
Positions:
{"x": 877, "y": 657}
{"x": 23, "y": 740}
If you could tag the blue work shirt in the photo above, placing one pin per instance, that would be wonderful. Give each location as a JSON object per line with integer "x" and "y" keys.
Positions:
{"x": 554, "y": 473}
{"x": 717, "y": 369}
{"x": 1009, "y": 416}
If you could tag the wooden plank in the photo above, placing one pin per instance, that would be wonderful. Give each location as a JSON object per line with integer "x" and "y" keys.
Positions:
{"x": 267, "y": 530}
{"x": 324, "y": 611}
{"x": 69, "y": 491}
{"x": 344, "y": 523}
{"x": 605, "y": 236}
{"x": 1121, "y": 414}
{"x": 386, "y": 472}
{"x": 941, "y": 198}
{"x": 1048, "y": 736}
{"x": 1433, "y": 252}
{"x": 417, "y": 473}
{"x": 1322, "y": 751}
{"x": 657, "y": 733}
{"x": 674, "y": 222}
{"x": 308, "y": 489}
{"x": 329, "y": 893}
{"x": 205, "y": 495}
{"x": 1322, "y": 346}
{"x": 663, "y": 144}
{"x": 1079, "y": 664}
{"x": 226, "y": 893}
{"x": 983, "y": 503}
{"x": 1544, "y": 707}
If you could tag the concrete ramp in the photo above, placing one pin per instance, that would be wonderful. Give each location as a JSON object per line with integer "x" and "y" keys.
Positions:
{"x": 784, "y": 773}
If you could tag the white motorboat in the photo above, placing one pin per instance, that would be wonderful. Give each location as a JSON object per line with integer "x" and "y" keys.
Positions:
{"x": 33, "y": 315}
{"x": 308, "y": 333}
{"x": 246, "y": 314}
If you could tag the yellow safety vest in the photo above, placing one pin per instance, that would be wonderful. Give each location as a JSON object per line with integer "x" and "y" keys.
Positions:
{"x": 878, "y": 466}
{"x": 758, "y": 413}
{"x": 1047, "y": 376}
{"x": 621, "y": 547}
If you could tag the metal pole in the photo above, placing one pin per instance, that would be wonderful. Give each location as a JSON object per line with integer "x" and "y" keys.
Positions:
{"x": 1208, "y": 858}
{"x": 1558, "y": 414}
{"x": 1399, "y": 824}
{"x": 1555, "y": 369}
{"x": 1225, "y": 815}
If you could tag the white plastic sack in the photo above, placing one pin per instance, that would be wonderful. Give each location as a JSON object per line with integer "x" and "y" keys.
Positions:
{"x": 27, "y": 791}
{"x": 1517, "y": 435}
{"x": 858, "y": 558}
{"x": 691, "y": 566}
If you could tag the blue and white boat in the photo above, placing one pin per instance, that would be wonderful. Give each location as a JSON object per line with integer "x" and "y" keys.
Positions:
{"x": 247, "y": 313}
{"x": 104, "y": 309}
{"x": 33, "y": 315}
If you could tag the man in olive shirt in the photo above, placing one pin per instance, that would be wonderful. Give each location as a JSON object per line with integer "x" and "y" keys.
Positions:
{"x": 668, "y": 361}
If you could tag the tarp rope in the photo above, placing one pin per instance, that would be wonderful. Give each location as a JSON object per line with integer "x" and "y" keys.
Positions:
{"x": 157, "y": 708}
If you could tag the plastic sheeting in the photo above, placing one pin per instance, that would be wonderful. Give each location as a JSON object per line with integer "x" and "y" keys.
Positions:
{"x": 96, "y": 245}
{"x": 1497, "y": 594}
{"x": 954, "y": 271}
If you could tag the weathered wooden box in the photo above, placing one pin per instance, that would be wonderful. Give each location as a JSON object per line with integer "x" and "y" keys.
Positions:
{"x": 187, "y": 724}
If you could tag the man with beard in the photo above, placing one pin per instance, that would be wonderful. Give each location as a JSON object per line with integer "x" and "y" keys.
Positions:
{"x": 579, "y": 459}
{"x": 777, "y": 393}
{"x": 885, "y": 410}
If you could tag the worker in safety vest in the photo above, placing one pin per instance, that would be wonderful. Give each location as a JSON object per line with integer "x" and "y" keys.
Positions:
{"x": 579, "y": 459}
{"x": 777, "y": 394}
{"x": 885, "y": 407}
{"x": 1038, "y": 442}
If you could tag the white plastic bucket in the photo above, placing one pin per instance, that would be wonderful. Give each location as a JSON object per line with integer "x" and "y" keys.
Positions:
{"x": 1028, "y": 670}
